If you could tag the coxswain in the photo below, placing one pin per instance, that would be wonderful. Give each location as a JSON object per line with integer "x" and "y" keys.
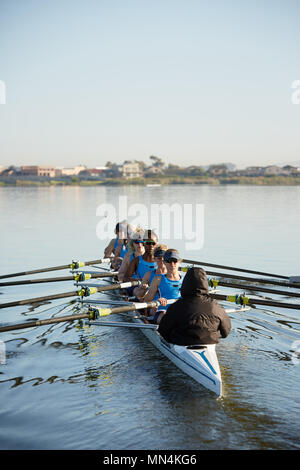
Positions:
{"x": 165, "y": 287}
{"x": 195, "y": 318}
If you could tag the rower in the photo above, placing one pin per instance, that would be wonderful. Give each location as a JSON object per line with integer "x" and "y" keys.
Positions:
{"x": 135, "y": 248}
{"x": 159, "y": 252}
{"x": 167, "y": 286}
{"x": 123, "y": 243}
{"x": 118, "y": 246}
{"x": 120, "y": 231}
{"x": 143, "y": 263}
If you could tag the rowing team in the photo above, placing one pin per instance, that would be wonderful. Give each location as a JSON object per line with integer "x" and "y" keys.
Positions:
{"x": 195, "y": 318}
{"x": 140, "y": 257}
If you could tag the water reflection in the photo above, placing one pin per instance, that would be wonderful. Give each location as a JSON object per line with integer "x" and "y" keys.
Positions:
{"x": 99, "y": 375}
{"x": 112, "y": 388}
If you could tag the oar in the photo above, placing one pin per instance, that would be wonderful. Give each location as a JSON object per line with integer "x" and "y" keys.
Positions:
{"x": 83, "y": 292}
{"x": 243, "y": 300}
{"x": 250, "y": 279}
{"x": 217, "y": 282}
{"x": 240, "y": 308}
{"x": 235, "y": 269}
{"x": 141, "y": 326}
{"x": 75, "y": 277}
{"x": 73, "y": 265}
{"x": 272, "y": 282}
{"x": 92, "y": 314}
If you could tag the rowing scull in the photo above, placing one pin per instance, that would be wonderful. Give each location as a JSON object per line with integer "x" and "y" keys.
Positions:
{"x": 199, "y": 362}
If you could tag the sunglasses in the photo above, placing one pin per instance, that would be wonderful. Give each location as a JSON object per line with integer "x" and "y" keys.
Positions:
{"x": 150, "y": 242}
{"x": 172, "y": 260}
{"x": 138, "y": 241}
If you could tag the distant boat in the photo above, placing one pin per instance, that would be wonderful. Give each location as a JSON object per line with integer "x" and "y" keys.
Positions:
{"x": 153, "y": 185}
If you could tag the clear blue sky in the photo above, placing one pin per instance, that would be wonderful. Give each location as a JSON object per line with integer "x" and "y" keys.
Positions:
{"x": 191, "y": 81}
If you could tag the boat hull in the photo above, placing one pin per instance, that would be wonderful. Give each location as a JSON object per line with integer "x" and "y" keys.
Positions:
{"x": 199, "y": 362}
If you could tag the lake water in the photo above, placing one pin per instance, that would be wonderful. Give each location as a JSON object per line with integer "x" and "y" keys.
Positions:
{"x": 66, "y": 387}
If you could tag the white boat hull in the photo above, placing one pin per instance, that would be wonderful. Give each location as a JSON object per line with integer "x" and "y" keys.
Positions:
{"x": 200, "y": 363}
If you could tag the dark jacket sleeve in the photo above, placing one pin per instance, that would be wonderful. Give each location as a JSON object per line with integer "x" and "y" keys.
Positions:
{"x": 225, "y": 323}
{"x": 169, "y": 321}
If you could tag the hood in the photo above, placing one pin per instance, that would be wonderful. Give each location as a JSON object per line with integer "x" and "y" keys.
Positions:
{"x": 194, "y": 283}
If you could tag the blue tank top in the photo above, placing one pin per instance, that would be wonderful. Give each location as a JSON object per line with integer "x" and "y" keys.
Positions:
{"x": 116, "y": 243}
{"x": 130, "y": 259}
{"x": 168, "y": 289}
{"x": 144, "y": 267}
{"x": 153, "y": 275}
{"x": 124, "y": 248}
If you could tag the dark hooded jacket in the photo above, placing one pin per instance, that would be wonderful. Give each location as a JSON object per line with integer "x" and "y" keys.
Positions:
{"x": 195, "y": 318}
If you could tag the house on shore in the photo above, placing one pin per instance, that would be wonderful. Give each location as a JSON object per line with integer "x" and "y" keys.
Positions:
{"x": 131, "y": 170}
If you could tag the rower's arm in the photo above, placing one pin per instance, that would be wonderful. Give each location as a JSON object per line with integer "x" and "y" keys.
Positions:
{"x": 153, "y": 289}
{"x": 131, "y": 269}
{"x": 168, "y": 322}
{"x": 110, "y": 248}
{"x": 141, "y": 290}
{"x": 119, "y": 247}
{"x": 225, "y": 323}
{"x": 124, "y": 267}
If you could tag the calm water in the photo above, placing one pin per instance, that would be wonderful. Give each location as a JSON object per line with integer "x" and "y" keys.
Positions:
{"x": 66, "y": 387}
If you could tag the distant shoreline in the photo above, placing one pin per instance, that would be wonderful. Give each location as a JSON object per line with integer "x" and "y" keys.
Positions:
{"x": 163, "y": 181}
